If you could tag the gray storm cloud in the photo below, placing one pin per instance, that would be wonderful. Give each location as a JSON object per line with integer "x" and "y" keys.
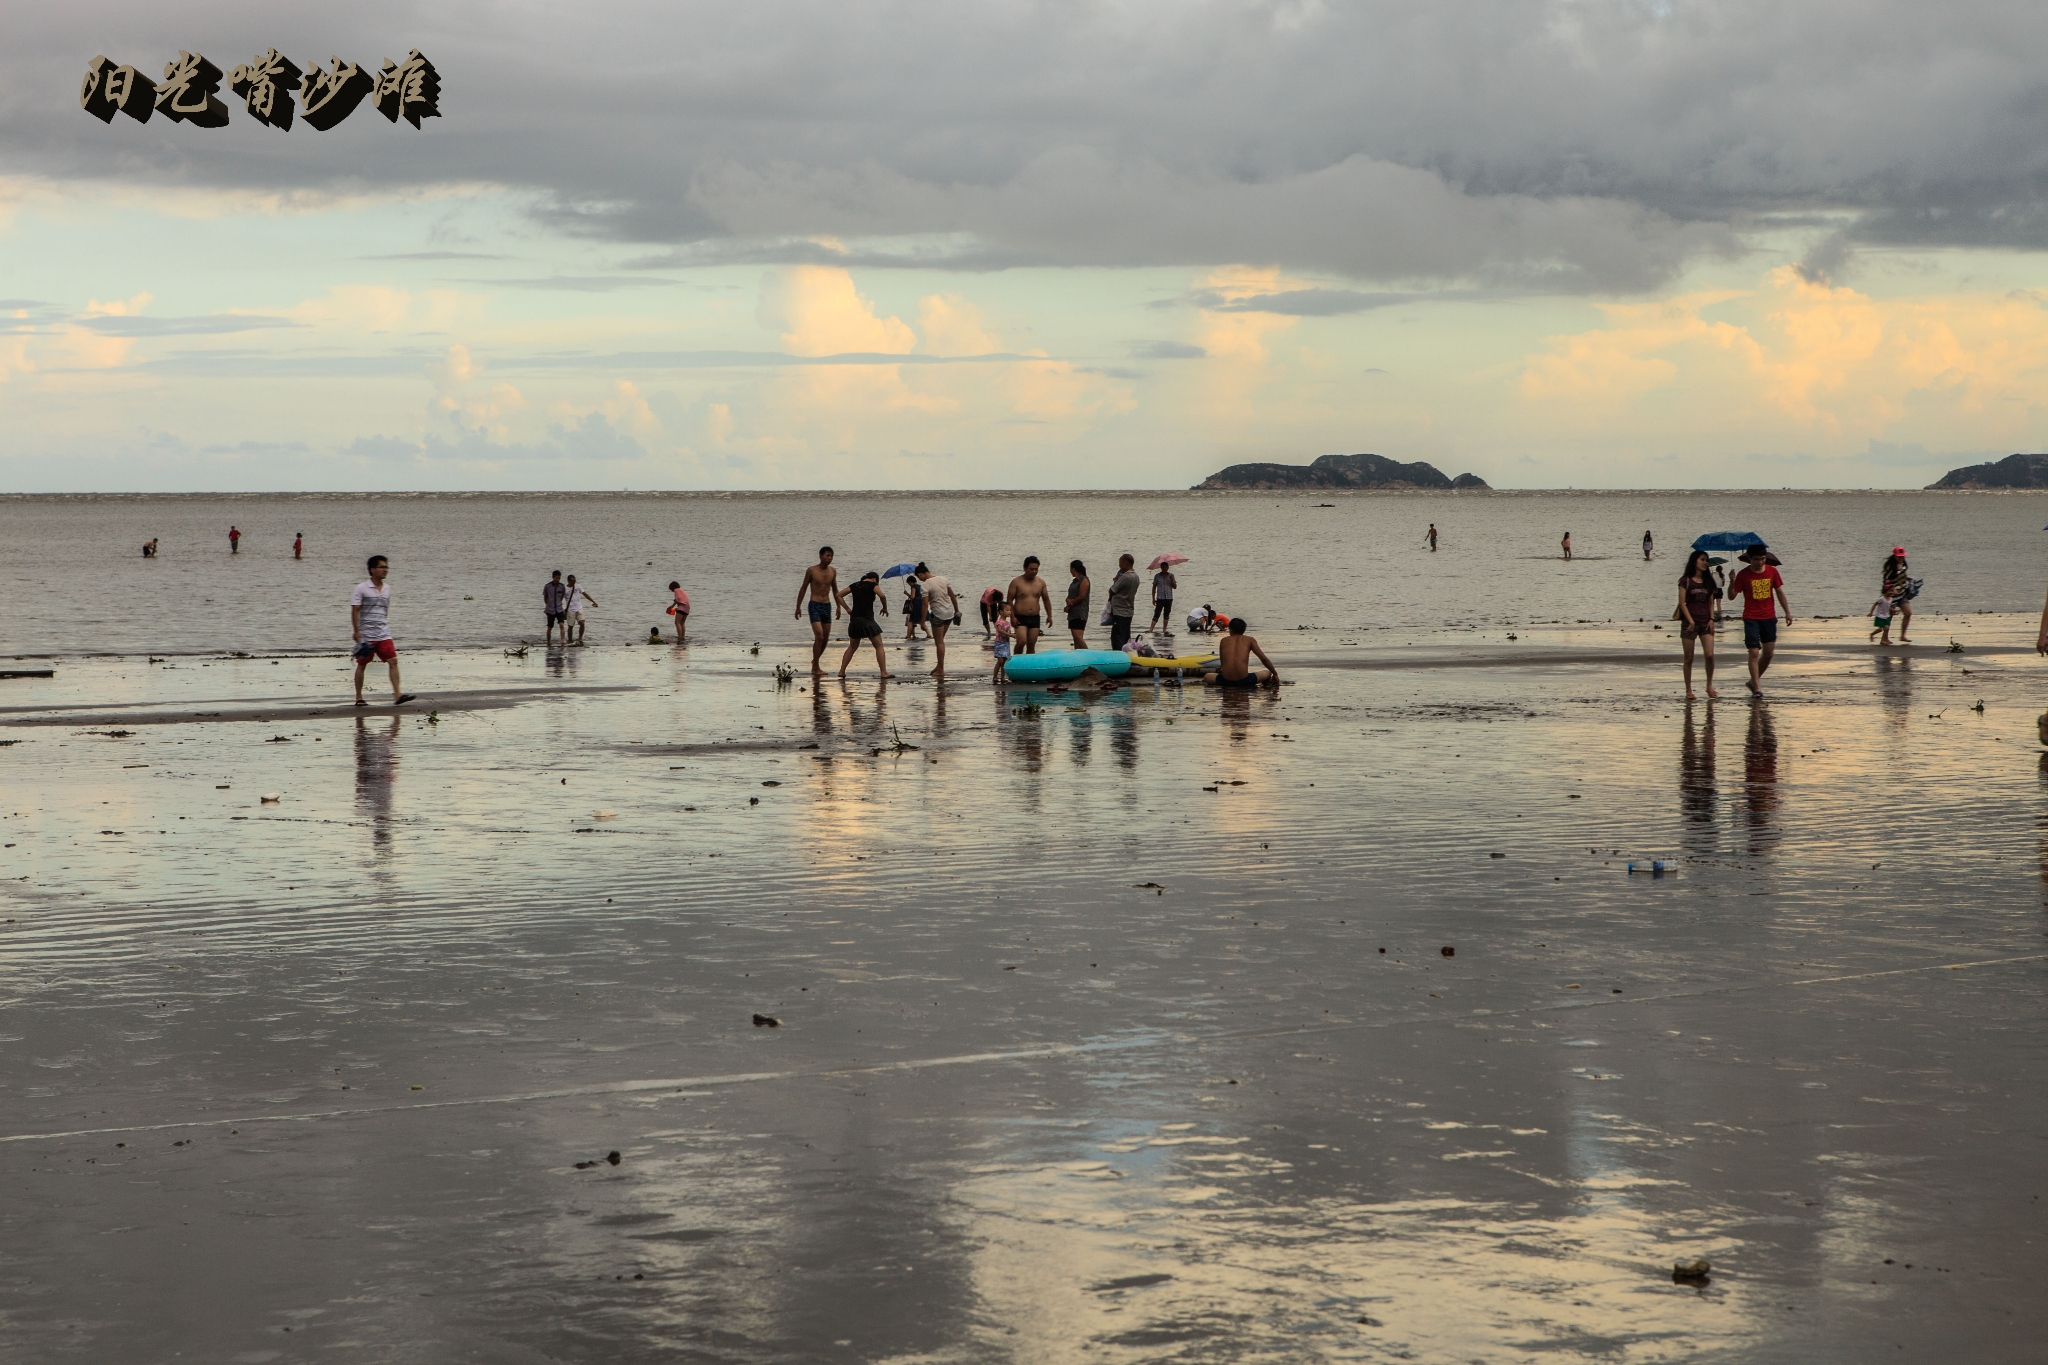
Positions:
{"x": 1594, "y": 145}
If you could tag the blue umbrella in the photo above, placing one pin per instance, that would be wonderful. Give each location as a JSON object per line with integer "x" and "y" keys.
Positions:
{"x": 1730, "y": 541}
{"x": 899, "y": 571}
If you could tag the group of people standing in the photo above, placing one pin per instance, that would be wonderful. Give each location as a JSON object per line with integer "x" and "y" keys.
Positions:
{"x": 1701, "y": 589}
{"x": 1014, "y": 617}
{"x": 861, "y": 602}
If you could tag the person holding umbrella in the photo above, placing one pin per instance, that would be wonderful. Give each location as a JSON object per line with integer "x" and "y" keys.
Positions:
{"x": 913, "y": 598}
{"x": 1762, "y": 590}
{"x": 1163, "y": 584}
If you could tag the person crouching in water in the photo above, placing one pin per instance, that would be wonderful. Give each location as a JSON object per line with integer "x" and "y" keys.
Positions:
{"x": 1234, "y": 656}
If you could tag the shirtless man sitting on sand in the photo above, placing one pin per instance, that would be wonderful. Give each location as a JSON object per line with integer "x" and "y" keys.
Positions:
{"x": 821, "y": 581}
{"x": 1028, "y": 597}
{"x": 1234, "y": 664}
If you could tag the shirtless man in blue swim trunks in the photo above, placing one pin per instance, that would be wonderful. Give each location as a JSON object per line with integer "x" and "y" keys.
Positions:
{"x": 821, "y": 582}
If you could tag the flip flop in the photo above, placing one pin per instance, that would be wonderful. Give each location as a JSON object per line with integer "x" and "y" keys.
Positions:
{"x": 405, "y": 697}
{"x": 361, "y": 702}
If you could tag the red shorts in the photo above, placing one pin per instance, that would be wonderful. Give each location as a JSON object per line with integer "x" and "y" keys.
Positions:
{"x": 387, "y": 650}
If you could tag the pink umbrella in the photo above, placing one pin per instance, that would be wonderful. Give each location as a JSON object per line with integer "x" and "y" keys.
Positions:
{"x": 1166, "y": 560}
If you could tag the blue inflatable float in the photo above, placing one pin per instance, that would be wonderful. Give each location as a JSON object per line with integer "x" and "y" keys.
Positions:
{"x": 1062, "y": 665}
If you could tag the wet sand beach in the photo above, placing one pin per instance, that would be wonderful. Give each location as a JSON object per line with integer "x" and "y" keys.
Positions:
{"x": 1127, "y": 1024}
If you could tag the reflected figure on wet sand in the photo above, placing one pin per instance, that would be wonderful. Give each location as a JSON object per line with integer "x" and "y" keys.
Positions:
{"x": 376, "y": 771}
{"x": 1760, "y": 778}
{"x": 1697, "y": 798}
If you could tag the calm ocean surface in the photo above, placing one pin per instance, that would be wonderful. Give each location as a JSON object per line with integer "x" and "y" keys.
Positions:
{"x": 467, "y": 569}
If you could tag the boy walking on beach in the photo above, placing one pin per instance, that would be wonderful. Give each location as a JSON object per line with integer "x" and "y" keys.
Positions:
{"x": 234, "y": 540}
{"x": 821, "y": 585}
{"x": 1762, "y": 591}
{"x": 554, "y": 600}
{"x": 369, "y": 617}
{"x": 572, "y": 618}
{"x": 1881, "y": 619}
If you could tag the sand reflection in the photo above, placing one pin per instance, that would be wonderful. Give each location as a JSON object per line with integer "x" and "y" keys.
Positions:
{"x": 1176, "y": 1240}
{"x": 376, "y": 745}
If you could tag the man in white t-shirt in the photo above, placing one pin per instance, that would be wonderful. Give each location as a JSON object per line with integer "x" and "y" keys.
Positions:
{"x": 369, "y": 618}
{"x": 573, "y": 618}
{"x": 941, "y": 611}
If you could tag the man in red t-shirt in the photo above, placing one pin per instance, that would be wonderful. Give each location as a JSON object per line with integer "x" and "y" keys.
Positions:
{"x": 1762, "y": 591}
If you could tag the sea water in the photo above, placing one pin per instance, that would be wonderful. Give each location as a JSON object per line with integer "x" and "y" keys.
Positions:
{"x": 467, "y": 569}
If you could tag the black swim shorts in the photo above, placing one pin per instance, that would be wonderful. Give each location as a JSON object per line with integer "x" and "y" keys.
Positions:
{"x": 1077, "y": 622}
{"x": 1029, "y": 622}
{"x": 1757, "y": 634}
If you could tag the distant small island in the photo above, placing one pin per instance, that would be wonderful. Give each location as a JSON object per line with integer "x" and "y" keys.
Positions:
{"x": 1340, "y": 471}
{"x": 2014, "y": 471}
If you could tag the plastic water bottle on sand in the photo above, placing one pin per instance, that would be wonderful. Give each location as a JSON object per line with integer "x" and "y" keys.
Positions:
{"x": 1656, "y": 867}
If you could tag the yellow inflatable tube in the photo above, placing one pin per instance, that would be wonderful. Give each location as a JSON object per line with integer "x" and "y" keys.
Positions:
{"x": 1192, "y": 663}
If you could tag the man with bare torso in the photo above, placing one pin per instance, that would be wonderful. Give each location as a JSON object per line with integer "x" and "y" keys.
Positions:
{"x": 1234, "y": 660}
{"x": 820, "y": 585}
{"x": 1029, "y": 597}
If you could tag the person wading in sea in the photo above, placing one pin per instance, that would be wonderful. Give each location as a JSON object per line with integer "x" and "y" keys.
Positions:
{"x": 1078, "y": 593}
{"x": 1567, "y": 543}
{"x": 1897, "y": 579}
{"x": 860, "y": 619}
{"x": 943, "y": 607}
{"x": 1123, "y": 601}
{"x": 821, "y": 587}
{"x": 1028, "y": 597}
{"x": 554, "y": 601}
{"x": 1163, "y": 584}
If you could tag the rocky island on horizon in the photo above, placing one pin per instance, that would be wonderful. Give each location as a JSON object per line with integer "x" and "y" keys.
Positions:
{"x": 1340, "y": 471}
{"x": 2014, "y": 471}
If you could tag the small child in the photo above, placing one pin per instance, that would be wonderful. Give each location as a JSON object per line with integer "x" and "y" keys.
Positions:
{"x": 1005, "y": 627}
{"x": 1881, "y": 618}
{"x": 680, "y": 609}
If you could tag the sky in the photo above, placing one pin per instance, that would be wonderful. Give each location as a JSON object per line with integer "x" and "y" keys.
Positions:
{"x": 1558, "y": 243}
